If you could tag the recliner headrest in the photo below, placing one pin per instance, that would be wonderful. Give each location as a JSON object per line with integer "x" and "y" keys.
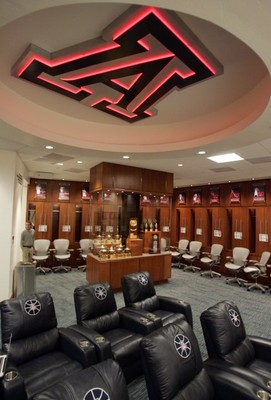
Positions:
{"x": 171, "y": 359}
{"x": 94, "y": 300}
{"x": 137, "y": 287}
{"x": 27, "y": 316}
{"x": 223, "y": 328}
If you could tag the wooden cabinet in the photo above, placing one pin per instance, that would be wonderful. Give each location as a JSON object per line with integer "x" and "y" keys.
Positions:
{"x": 262, "y": 228}
{"x": 99, "y": 270}
{"x": 122, "y": 177}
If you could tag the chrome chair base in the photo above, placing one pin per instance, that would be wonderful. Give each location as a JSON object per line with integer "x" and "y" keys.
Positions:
{"x": 191, "y": 268}
{"x": 43, "y": 270}
{"x": 60, "y": 268}
{"x": 210, "y": 273}
{"x": 240, "y": 281}
{"x": 257, "y": 285}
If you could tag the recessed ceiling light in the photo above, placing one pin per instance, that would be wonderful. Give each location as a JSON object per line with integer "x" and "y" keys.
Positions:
{"x": 201, "y": 152}
{"x": 49, "y": 147}
{"x": 79, "y": 162}
{"x": 59, "y": 163}
{"x": 225, "y": 158}
{"x": 180, "y": 165}
{"x": 126, "y": 157}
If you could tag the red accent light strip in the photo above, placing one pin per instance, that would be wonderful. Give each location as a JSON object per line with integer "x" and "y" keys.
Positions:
{"x": 156, "y": 12}
{"x": 66, "y": 59}
{"x": 107, "y": 99}
{"x": 121, "y": 111}
{"x": 167, "y": 77}
{"x": 118, "y": 65}
{"x": 126, "y": 86}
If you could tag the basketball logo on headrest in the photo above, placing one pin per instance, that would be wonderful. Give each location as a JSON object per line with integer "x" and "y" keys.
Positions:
{"x": 143, "y": 279}
{"x": 96, "y": 394}
{"x": 32, "y": 307}
{"x": 182, "y": 345}
{"x": 100, "y": 292}
{"x": 234, "y": 316}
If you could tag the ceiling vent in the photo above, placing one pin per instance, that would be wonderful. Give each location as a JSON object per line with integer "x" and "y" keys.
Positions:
{"x": 43, "y": 175}
{"x": 223, "y": 169}
{"x": 259, "y": 160}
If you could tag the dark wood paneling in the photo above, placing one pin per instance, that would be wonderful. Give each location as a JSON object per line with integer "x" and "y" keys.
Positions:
{"x": 122, "y": 177}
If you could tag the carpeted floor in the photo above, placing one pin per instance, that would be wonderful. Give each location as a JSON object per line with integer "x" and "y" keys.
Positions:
{"x": 200, "y": 292}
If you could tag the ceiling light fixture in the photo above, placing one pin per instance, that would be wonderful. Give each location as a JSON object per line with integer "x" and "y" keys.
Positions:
{"x": 226, "y": 158}
{"x": 201, "y": 152}
{"x": 79, "y": 162}
{"x": 48, "y": 147}
{"x": 126, "y": 157}
{"x": 59, "y": 163}
{"x": 180, "y": 165}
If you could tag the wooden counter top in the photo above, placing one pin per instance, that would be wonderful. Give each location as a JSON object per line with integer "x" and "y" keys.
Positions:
{"x": 111, "y": 270}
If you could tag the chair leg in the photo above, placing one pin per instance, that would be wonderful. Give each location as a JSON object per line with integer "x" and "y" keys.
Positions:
{"x": 61, "y": 267}
{"x": 210, "y": 273}
{"x": 257, "y": 285}
{"x": 192, "y": 268}
{"x": 235, "y": 279}
{"x": 82, "y": 268}
{"x": 43, "y": 270}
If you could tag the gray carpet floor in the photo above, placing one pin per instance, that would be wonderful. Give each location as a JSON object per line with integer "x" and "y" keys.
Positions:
{"x": 200, "y": 292}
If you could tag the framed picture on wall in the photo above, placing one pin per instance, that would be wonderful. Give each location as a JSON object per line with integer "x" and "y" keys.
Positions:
{"x": 235, "y": 195}
{"x": 145, "y": 200}
{"x": 164, "y": 200}
{"x": 64, "y": 192}
{"x": 181, "y": 198}
{"x": 259, "y": 193}
{"x": 196, "y": 197}
{"x": 40, "y": 191}
{"x": 215, "y": 195}
{"x": 85, "y": 194}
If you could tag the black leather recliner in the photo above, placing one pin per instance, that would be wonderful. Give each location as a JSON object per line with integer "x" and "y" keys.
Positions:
{"x": 230, "y": 348}
{"x": 115, "y": 333}
{"x": 102, "y": 381}
{"x": 139, "y": 294}
{"x": 39, "y": 354}
{"x": 173, "y": 369}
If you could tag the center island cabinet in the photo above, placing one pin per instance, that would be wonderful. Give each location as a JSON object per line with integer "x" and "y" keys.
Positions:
{"x": 112, "y": 270}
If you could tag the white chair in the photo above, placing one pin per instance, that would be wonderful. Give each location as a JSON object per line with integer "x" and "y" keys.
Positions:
{"x": 41, "y": 254}
{"x": 192, "y": 255}
{"x": 86, "y": 245}
{"x": 257, "y": 270}
{"x": 238, "y": 261}
{"x": 62, "y": 254}
{"x": 211, "y": 260}
{"x": 177, "y": 252}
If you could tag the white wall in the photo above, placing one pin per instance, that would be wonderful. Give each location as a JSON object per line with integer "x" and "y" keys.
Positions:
{"x": 12, "y": 217}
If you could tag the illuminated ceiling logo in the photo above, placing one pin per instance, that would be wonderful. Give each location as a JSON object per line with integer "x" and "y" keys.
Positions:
{"x": 141, "y": 57}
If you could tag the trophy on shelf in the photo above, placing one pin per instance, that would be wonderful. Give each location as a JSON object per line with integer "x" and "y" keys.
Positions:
{"x": 145, "y": 223}
{"x": 133, "y": 228}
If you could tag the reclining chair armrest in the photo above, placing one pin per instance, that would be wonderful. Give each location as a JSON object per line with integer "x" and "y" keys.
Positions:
{"x": 135, "y": 321}
{"x": 148, "y": 315}
{"x": 101, "y": 344}
{"x": 12, "y": 389}
{"x": 228, "y": 385}
{"x": 262, "y": 347}
{"x": 236, "y": 370}
{"x": 75, "y": 345}
{"x": 177, "y": 306}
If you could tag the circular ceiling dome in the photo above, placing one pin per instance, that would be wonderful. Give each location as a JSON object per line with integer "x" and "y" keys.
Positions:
{"x": 184, "y": 116}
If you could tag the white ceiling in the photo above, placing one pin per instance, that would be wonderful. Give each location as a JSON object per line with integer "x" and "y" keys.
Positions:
{"x": 229, "y": 113}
